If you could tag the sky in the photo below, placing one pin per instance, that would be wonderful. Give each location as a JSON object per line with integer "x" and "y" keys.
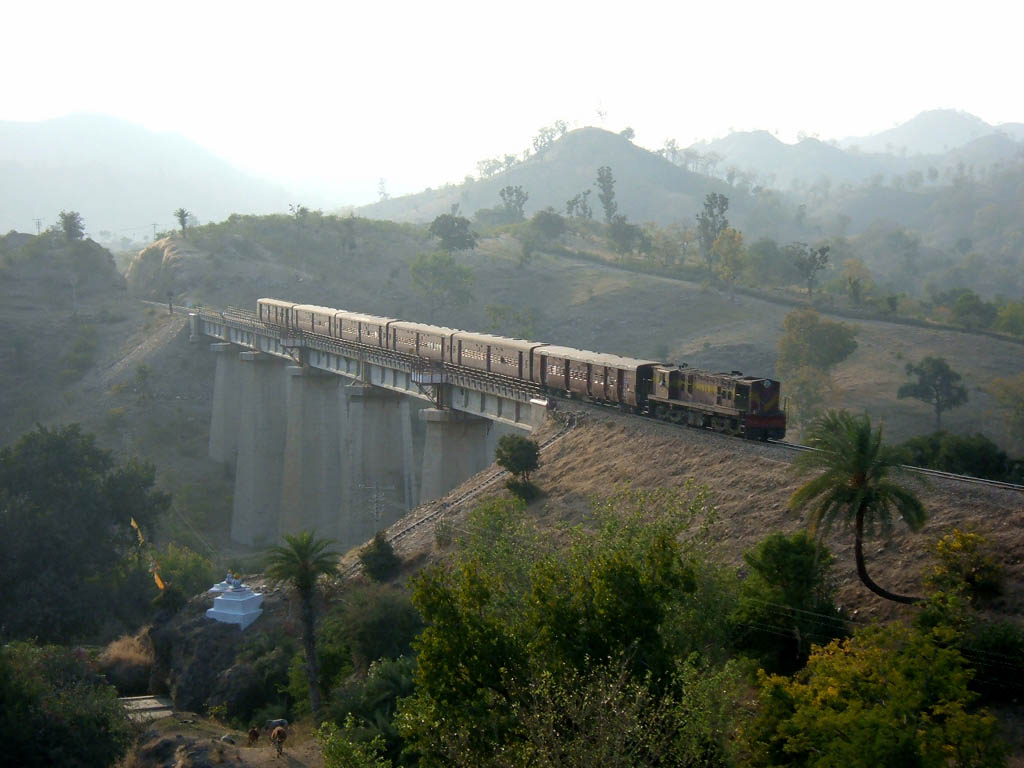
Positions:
{"x": 330, "y": 98}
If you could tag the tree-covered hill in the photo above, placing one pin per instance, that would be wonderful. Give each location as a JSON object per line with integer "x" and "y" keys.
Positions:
{"x": 648, "y": 187}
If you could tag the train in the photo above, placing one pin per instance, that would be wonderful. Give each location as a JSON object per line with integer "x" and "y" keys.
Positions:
{"x": 746, "y": 406}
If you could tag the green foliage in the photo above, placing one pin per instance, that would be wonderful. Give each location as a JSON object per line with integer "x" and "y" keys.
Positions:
{"x": 970, "y": 311}
{"x": 65, "y": 508}
{"x": 517, "y": 454}
{"x": 854, "y": 484}
{"x": 937, "y": 384}
{"x": 604, "y": 717}
{"x": 342, "y": 748}
{"x": 514, "y": 198}
{"x": 182, "y": 216}
{"x": 379, "y": 560}
{"x": 963, "y": 566}
{"x": 1009, "y": 393}
{"x": 606, "y": 192}
{"x": 885, "y": 697}
{"x": 507, "y": 621}
{"x": 787, "y": 602}
{"x": 548, "y": 224}
{"x": 453, "y": 232}
{"x": 441, "y": 280}
{"x": 368, "y": 705}
{"x": 808, "y": 262}
{"x": 973, "y": 455}
{"x": 810, "y": 340}
{"x": 257, "y": 683}
{"x": 190, "y": 571}
{"x": 579, "y": 207}
{"x": 82, "y": 354}
{"x": 627, "y": 237}
{"x": 57, "y": 710}
{"x": 373, "y": 622}
{"x": 711, "y": 222}
{"x": 302, "y": 560}
{"x": 71, "y": 225}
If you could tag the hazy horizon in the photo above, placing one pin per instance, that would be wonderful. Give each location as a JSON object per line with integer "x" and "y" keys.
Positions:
{"x": 328, "y": 100}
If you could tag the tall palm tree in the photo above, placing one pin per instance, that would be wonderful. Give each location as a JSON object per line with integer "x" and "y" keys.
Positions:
{"x": 300, "y": 562}
{"x": 182, "y": 216}
{"x": 855, "y": 484}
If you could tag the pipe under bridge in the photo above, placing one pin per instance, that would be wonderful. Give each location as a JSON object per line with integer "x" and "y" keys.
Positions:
{"x": 344, "y": 437}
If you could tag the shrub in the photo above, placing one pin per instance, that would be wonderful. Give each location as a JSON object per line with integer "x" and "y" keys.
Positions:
{"x": 884, "y": 697}
{"x": 379, "y": 559}
{"x": 57, "y": 710}
{"x": 962, "y": 566}
{"x": 127, "y": 663}
{"x": 787, "y": 602}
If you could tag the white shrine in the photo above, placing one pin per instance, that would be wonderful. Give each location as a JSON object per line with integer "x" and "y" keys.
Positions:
{"x": 235, "y": 603}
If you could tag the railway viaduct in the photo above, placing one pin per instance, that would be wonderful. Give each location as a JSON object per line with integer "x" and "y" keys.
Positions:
{"x": 342, "y": 437}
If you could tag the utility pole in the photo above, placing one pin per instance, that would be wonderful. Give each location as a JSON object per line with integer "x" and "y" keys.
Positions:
{"x": 377, "y": 498}
{"x": 154, "y": 230}
{"x": 39, "y": 225}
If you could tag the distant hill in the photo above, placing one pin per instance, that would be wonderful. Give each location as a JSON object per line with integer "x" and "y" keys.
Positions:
{"x": 118, "y": 175}
{"x": 930, "y": 133}
{"x": 648, "y": 187}
{"x": 939, "y": 140}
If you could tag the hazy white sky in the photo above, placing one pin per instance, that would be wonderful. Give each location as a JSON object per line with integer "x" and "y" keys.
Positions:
{"x": 338, "y": 95}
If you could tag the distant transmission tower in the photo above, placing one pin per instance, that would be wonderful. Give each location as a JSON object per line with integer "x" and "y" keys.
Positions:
{"x": 39, "y": 225}
{"x": 377, "y": 499}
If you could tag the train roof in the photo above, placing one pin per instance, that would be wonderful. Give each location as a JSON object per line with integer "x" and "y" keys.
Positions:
{"x": 595, "y": 358}
{"x": 317, "y": 308}
{"x": 438, "y": 330}
{"x": 361, "y": 318}
{"x": 277, "y": 303}
{"x": 487, "y": 338}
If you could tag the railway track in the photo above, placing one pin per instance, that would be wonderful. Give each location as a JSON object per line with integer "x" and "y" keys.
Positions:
{"x": 246, "y": 315}
{"x": 925, "y": 471}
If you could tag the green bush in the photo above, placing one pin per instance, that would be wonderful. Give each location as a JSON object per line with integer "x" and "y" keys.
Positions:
{"x": 962, "y": 566}
{"x": 379, "y": 559}
{"x": 57, "y": 710}
{"x": 886, "y": 697}
{"x": 787, "y": 602}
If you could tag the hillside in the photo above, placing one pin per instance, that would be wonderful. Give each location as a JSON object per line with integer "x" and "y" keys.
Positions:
{"x": 750, "y": 486}
{"x": 931, "y": 132}
{"x": 119, "y": 176}
{"x": 648, "y": 187}
{"x": 364, "y": 266}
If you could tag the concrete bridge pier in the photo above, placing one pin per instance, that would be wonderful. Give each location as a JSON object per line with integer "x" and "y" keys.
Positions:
{"x": 261, "y": 443}
{"x": 378, "y": 466}
{"x": 458, "y": 445}
{"x": 311, "y": 481}
{"x": 224, "y": 417}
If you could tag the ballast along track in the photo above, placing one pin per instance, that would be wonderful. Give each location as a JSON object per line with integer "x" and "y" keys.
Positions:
{"x": 249, "y": 318}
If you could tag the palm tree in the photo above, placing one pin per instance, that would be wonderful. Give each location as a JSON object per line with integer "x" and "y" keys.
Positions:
{"x": 182, "y": 216}
{"x": 855, "y": 484}
{"x": 300, "y": 563}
